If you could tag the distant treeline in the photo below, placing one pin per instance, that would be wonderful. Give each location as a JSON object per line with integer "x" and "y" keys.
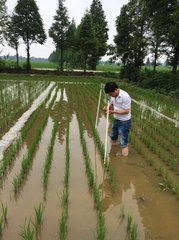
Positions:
{"x": 33, "y": 59}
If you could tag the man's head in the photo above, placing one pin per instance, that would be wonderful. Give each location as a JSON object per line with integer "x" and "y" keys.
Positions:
{"x": 112, "y": 89}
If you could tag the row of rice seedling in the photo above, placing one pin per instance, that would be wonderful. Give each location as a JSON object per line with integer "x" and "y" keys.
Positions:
{"x": 157, "y": 123}
{"x": 49, "y": 155}
{"x": 98, "y": 141}
{"x": 158, "y": 145}
{"x": 27, "y": 158}
{"x": 15, "y": 100}
{"x": 14, "y": 147}
{"x": 65, "y": 195}
{"x": 101, "y": 228}
{"x": 131, "y": 228}
{"x": 159, "y": 102}
{"x": 168, "y": 182}
{"x": 31, "y": 229}
{"x": 3, "y": 218}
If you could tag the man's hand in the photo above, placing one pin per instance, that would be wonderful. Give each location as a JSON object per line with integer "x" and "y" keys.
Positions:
{"x": 105, "y": 109}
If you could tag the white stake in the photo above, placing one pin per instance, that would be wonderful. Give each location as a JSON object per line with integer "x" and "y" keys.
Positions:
{"x": 106, "y": 137}
{"x": 99, "y": 100}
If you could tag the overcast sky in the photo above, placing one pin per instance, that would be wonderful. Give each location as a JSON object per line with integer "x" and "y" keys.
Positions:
{"x": 76, "y": 9}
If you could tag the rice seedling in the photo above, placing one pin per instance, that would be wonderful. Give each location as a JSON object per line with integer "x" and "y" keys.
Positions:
{"x": 129, "y": 222}
{"x": 4, "y": 212}
{"x": 63, "y": 224}
{"x": 65, "y": 195}
{"x": 38, "y": 217}
{"x": 14, "y": 147}
{"x": 101, "y": 229}
{"x": 15, "y": 99}
{"x": 99, "y": 144}
{"x": 131, "y": 228}
{"x": 27, "y": 232}
{"x": 49, "y": 154}
{"x": 1, "y": 224}
{"x": 133, "y": 232}
{"x": 18, "y": 180}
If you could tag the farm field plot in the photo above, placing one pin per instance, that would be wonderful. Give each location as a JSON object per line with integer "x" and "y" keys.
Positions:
{"x": 55, "y": 183}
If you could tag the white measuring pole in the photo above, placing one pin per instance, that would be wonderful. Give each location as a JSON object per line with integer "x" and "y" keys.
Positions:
{"x": 99, "y": 100}
{"x": 106, "y": 137}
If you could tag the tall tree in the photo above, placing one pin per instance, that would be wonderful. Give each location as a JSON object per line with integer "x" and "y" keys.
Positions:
{"x": 165, "y": 19}
{"x": 59, "y": 29}
{"x": 101, "y": 32}
{"x": 3, "y": 19}
{"x": 86, "y": 38}
{"x": 29, "y": 24}
{"x": 12, "y": 37}
{"x": 131, "y": 38}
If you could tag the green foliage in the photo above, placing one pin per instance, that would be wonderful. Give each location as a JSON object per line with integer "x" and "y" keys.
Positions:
{"x": 29, "y": 24}
{"x": 27, "y": 232}
{"x": 59, "y": 30}
{"x": 86, "y": 38}
{"x": 164, "y": 19}
{"x": 100, "y": 29}
{"x": 3, "y": 17}
{"x": 12, "y": 37}
{"x": 38, "y": 217}
{"x": 130, "y": 38}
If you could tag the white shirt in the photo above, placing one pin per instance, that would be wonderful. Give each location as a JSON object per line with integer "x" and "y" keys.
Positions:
{"x": 122, "y": 101}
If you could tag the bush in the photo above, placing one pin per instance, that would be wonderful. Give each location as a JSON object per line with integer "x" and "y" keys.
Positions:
{"x": 130, "y": 73}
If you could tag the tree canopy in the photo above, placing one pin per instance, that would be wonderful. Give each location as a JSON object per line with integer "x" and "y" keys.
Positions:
{"x": 3, "y": 21}
{"x": 59, "y": 30}
{"x": 29, "y": 23}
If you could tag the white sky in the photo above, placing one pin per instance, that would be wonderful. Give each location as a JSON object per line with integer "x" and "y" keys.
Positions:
{"x": 76, "y": 9}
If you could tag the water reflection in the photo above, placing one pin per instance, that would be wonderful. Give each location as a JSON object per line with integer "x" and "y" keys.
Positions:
{"x": 124, "y": 197}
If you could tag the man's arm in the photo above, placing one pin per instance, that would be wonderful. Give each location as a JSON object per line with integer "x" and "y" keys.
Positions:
{"x": 121, "y": 111}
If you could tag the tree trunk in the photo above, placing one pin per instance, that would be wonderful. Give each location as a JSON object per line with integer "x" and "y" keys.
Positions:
{"x": 85, "y": 60}
{"x": 175, "y": 60}
{"x": 17, "y": 57}
{"x": 61, "y": 60}
{"x": 28, "y": 55}
{"x": 155, "y": 59}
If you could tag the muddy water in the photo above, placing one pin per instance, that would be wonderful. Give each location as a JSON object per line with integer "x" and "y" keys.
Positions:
{"x": 32, "y": 193}
{"x": 138, "y": 194}
{"x": 137, "y": 191}
{"x": 52, "y": 210}
{"x": 82, "y": 216}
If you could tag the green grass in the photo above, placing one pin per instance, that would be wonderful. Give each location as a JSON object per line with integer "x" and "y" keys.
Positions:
{"x": 108, "y": 67}
{"x": 30, "y": 77}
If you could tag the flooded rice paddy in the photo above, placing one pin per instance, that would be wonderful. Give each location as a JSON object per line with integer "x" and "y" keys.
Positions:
{"x": 57, "y": 170}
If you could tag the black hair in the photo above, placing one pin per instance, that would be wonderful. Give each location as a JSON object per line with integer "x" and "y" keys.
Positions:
{"x": 110, "y": 87}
